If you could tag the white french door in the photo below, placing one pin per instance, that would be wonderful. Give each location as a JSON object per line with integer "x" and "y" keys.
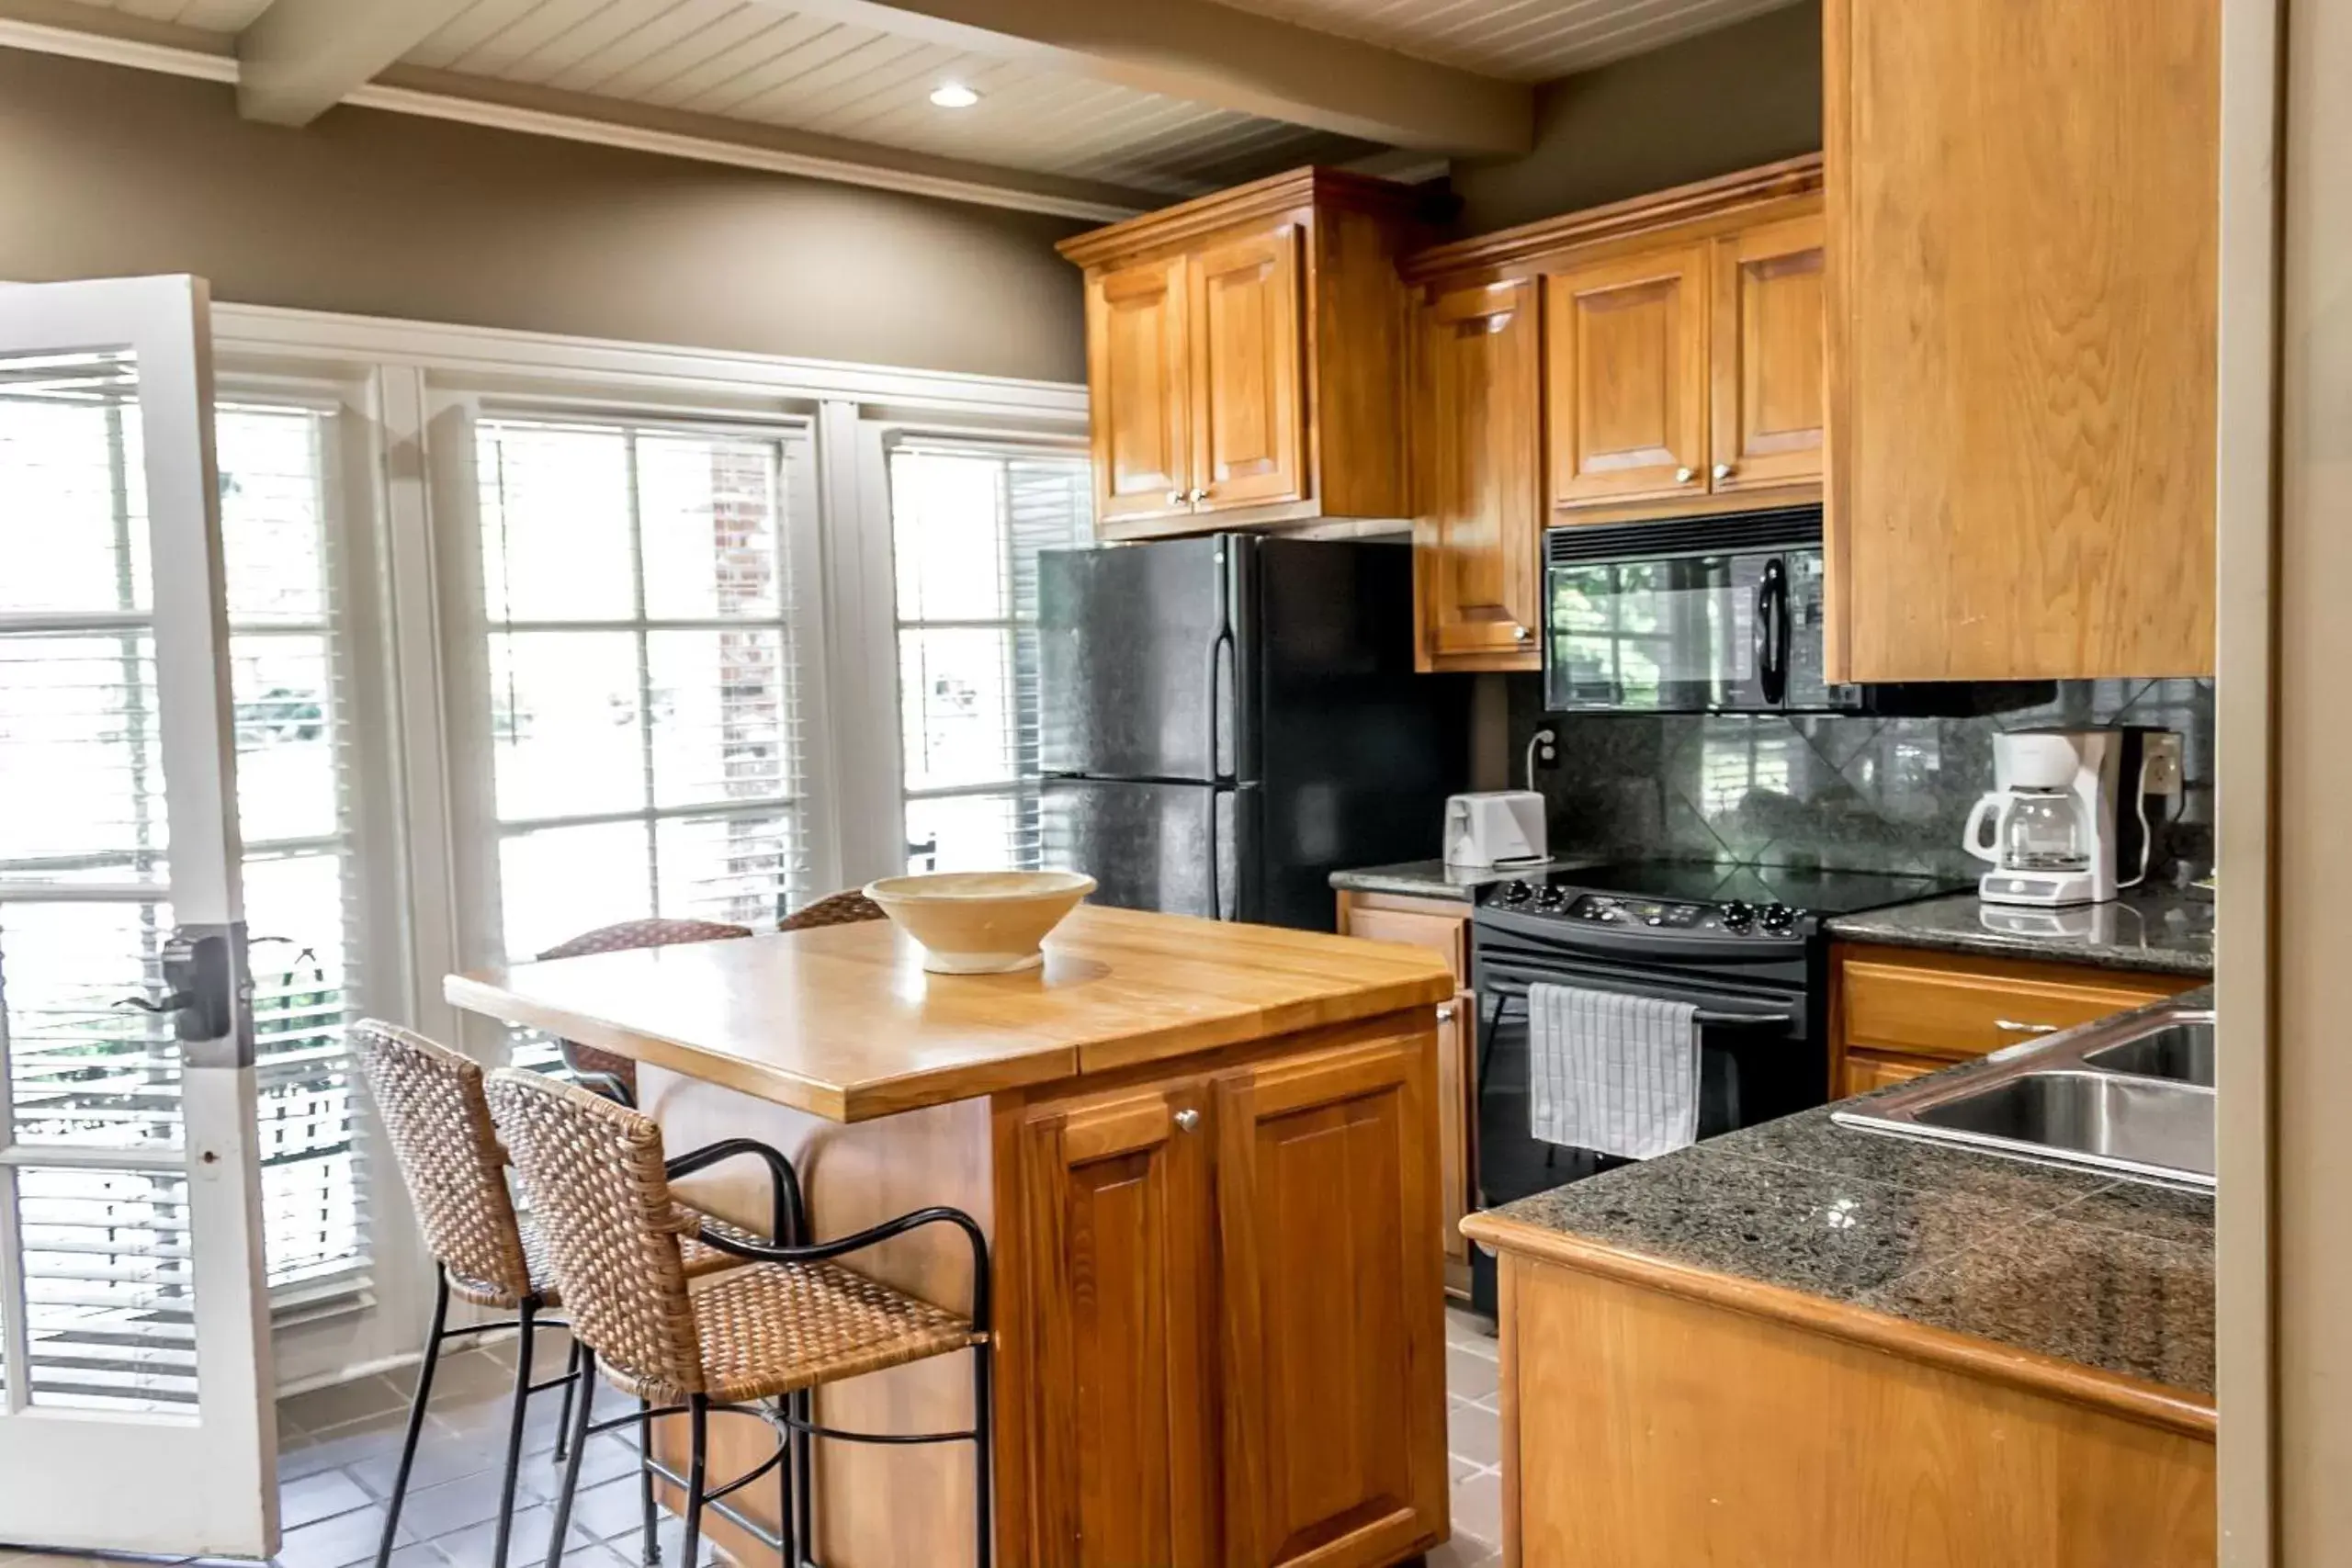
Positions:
{"x": 135, "y": 1399}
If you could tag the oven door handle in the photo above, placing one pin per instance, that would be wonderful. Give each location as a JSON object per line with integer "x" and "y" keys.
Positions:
{"x": 1742, "y": 1019}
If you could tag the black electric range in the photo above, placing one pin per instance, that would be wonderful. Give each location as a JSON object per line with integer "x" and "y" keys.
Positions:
{"x": 1741, "y": 944}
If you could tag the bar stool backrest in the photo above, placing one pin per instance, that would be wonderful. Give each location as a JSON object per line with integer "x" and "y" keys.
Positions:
{"x": 431, "y": 1099}
{"x": 593, "y": 1171}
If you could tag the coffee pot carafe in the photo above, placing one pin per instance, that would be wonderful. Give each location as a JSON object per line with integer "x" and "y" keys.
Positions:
{"x": 2067, "y": 808}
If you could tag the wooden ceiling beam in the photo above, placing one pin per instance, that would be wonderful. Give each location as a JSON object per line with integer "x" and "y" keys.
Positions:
{"x": 1208, "y": 53}
{"x": 301, "y": 58}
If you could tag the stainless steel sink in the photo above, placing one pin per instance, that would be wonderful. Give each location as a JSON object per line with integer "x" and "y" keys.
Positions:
{"x": 2131, "y": 1094}
{"x": 2183, "y": 1051}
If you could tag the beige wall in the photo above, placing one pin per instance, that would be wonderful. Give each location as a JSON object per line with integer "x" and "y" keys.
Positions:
{"x": 109, "y": 171}
{"x": 2313, "y": 829}
{"x": 1725, "y": 100}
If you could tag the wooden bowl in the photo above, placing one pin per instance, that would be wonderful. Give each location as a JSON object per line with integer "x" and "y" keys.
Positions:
{"x": 981, "y": 922}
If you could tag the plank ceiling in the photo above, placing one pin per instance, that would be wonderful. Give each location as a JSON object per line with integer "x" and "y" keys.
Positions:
{"x": 1521, "y": 41}
{"x": 764, "y": 63}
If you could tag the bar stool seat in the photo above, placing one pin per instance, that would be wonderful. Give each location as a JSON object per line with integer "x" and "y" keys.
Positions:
{"x": 773, "y": 1328}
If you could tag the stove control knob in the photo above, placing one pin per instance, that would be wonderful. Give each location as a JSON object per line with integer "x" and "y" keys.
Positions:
{"x": 1518, "y": 892}
{"x": 1778, "y": 916}
{"x": 1551, "y": 898}
{"x": 1738, "y": 916}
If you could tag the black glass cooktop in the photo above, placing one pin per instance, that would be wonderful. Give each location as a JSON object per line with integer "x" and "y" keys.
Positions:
{"x": 1820, "y": 892}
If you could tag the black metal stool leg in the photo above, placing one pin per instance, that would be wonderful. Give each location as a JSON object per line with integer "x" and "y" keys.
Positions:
{"x": 527, "y": 1314}
{"x": 805, "y": 1477}
{"x": 645, "y": 1484}
{"x": 415, "y": 1416}
{"x": 983, "y": 1455}
{"x": 571, "y": 1387}
{"x": 698, "y": 1453}
{"x": 791, "y": 1551}
{"x": 570, "y": 1485}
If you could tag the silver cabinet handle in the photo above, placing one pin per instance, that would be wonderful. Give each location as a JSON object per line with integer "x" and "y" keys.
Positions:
{"x": 1175, "y": 498}
{"x": 1520, "y": 634}
{"x": 1684, "y": 476}
{"x": 1201, "y": 494}
{"x": 1724, "y": 471}
{"x": 1445, "y": 1012}
{"x": 1187, "y": 1120}
{"x": 2014, "y": 1027}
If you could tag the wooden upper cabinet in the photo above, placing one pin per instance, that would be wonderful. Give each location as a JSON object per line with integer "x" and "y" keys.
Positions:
{"x": 1626, "y": 350}
{"x": 1333, "y": 1286}
{"x": 1768, "y": 415}
{"x": 1121, "y": 1433}
{"x": 1139, "y": 367}
{"x": 1280, "y": 358}
{"x": 1479, "y": 531}
{"x": 1248, "y": 421}
{"x": 2022, "y": 315}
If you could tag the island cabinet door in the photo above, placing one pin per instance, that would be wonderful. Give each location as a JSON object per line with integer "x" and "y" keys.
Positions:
{"x": 1119, "y": 1261}
{"x": 1334, "y": 1377}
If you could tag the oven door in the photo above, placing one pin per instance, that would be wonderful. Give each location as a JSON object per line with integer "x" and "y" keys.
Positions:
{"x": 1760, "y": 1059}
{"x": 1702, "y": 633}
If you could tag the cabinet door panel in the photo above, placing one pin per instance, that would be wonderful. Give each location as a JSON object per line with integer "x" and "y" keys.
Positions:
{"x": 1119, "y": 1261}
{"x": 1766, "y": 341}
{"x": 1137, "y": 373}
{"x": 1479, "y": 538}
{"x": 1627, "y": 372}
{"x": 1863, "y": 1071}
{"x": 1248, "y": 426}
{"x": 1334, "y": 1368}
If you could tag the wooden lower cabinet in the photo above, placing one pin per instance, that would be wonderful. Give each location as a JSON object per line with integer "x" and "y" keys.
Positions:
{"x": 1896, "y": 1013}
{"x": 1649, "y": 1429}
{"x": 1225, "y": 1340}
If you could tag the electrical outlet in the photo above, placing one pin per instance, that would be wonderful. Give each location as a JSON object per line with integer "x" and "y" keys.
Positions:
{"x": 2160, "y": 764}
{"x": 1547, "y": 747}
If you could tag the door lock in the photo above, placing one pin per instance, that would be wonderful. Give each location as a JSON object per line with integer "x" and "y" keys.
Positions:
{"x": 198, "y": 991}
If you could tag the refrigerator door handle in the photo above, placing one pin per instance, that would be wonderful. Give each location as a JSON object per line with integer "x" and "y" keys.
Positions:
{"x": 1221, "y": 739}
{"x": 1217, "y": 895}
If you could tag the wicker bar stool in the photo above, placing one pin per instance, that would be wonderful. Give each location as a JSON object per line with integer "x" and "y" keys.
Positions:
{"x": 431, "y": 1101}
{"x": 601, "y": 1070}
{"x": 753, "y": 1341}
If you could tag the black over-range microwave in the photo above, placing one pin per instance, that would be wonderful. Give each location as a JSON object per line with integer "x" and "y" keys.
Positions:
{"x": 1712, "y": 615}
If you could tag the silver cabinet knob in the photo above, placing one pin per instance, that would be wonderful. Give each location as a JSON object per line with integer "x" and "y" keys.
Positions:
{"x": 1175, "y": 498}
{"x": 1445, "y": 1012}
{"x": 1187, "y": 1120}
{"x": 1724, "y": 471}
{"x": 1200, "y": 495}
{"x": 1684, "y": 476}
{"x": 1520, "y": 634}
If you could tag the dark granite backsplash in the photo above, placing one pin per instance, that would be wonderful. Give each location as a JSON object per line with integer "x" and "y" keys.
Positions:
{"x": 1850, "y": 793}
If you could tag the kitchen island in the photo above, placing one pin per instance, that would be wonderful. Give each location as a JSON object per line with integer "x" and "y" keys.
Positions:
{"x": 1205, "y": 1157}
{"x": 1802, "y": 1343}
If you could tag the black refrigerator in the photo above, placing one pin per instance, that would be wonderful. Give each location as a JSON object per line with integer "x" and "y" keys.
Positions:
{"x": 1225, "y": 720}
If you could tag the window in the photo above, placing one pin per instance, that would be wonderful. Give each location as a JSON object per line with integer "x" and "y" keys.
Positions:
{"x": 967, "y": 525}
{"x": 641, "y": 659}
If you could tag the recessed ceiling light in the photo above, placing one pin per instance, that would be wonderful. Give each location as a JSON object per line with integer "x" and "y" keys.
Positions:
{"x": 954, "y": 95}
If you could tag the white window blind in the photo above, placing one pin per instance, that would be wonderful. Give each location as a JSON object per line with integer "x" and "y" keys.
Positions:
{"x": 108, "y": 1313}
{"x": 646, "y": 745}
{"x": 965, "y": 526}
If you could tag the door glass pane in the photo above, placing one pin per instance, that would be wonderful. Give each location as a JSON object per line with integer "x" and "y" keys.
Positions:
{"x": 109, "y": 1289}
{"x": 82, "y": 1070}
{"x": 73, "y": 534}
{"x": 81, "y": 758}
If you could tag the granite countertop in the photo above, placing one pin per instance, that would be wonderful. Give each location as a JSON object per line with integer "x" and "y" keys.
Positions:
{"x": 2072, "y": 1264}
{"x": 2163, "y": 931}
{"x": 1435, "y": 879}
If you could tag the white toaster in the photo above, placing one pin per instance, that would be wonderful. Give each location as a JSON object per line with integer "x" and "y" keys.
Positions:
{"x": 1500, "y": 827}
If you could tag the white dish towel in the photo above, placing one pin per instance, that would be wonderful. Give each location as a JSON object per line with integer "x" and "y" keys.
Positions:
{"x": 1612, "y": 1073}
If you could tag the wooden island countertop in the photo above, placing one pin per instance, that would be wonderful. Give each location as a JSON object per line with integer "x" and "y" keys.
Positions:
{"x": 843, "y": 1022}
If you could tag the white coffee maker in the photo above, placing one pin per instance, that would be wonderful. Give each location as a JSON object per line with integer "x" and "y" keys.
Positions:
{"x": 2069, "y": 808}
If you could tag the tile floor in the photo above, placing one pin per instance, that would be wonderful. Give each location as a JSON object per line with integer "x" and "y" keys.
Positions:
{"x": 338, "y": 1447}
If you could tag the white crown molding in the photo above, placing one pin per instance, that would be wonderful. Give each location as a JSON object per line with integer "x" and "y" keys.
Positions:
{"x": 177, "y": 60}
{"x": 473, "y": 354}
